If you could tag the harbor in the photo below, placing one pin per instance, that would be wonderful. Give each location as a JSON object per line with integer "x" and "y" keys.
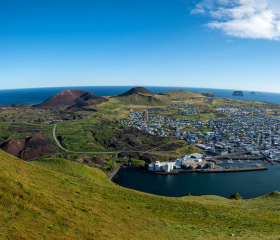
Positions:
{"x": 249, "y": 184}
{"x": 196, "y": 163}
{"x": 215, "y": 170}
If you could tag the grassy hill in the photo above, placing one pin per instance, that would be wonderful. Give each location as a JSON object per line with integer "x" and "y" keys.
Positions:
{"x": 205, "y": 94}
{"x": 143, "y": 99}
{"x": 179, "y": 94}
{"x": 59, "y": 199}
{"x": 142, "y": 96}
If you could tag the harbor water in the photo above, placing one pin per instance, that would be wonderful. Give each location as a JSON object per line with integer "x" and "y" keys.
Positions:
{"x": 248, "y": 184}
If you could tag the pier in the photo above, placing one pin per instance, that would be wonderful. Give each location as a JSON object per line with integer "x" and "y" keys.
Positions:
{"x": 214, "y": 170}
{"x": 233, "y": 169}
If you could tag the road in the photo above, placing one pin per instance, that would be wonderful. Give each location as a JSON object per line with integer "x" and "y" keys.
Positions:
{"x": 114, "y": 152}
{"x": 58, "y": 143}
{"x": 113, "y": 160}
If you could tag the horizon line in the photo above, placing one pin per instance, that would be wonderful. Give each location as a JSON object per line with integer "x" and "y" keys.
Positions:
{"x": 138, "y": 86}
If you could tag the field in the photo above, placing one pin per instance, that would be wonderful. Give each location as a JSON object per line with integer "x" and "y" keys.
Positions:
{"x": 59, "y": 199}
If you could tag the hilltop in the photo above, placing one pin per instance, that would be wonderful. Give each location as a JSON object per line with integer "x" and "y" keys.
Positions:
{"x": 72, "y": 99}
{"x": 142, "y": 96}
{"x": 60, "y": 199}
{"x": 137, "y": 90}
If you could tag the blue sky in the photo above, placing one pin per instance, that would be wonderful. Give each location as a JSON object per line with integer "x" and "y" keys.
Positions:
{"x": 208, "y": 43}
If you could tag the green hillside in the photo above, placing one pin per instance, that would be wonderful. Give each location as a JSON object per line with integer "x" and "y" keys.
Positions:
{"x": 205, "y": 94}
{"x": 59, "y": 199}
{"x": 143, "y": 99}
{"x": 179, "y": 94}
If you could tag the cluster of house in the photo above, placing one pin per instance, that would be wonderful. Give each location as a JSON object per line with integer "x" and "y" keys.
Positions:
{"x": 245, "y": 129}
{"x": 237, "y": 109}
{"x": 194, "y": 161}
{"x": 185, "y": 109}
{"x": 161, "y": 124}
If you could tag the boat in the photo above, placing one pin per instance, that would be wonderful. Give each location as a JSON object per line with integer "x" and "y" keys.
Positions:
{"x": 256, "y": 165}
{"x": 230, "y": 161}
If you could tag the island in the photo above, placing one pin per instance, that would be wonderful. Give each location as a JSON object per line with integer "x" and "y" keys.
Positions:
{"x": 238, "y": 93}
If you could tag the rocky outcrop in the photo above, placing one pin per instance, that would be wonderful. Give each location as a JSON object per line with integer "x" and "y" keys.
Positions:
{"x": 30, "y": 148}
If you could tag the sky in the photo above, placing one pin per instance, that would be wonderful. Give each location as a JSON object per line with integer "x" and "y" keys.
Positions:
{"x": 226, "y": 44}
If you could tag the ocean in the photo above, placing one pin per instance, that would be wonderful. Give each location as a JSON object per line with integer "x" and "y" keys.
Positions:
{"x": 38, "y": 95}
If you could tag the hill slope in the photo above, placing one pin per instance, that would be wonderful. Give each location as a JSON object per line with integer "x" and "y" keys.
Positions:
{"x": 205, "y": 94}
{"x": 72, "y": 98}
{"x": 31, "y": 147}
{"x": 58, "y": 199}
{"x": 179, "y": 94}
{"x": 137, "y": 90}
{"x": 143, "y": 96}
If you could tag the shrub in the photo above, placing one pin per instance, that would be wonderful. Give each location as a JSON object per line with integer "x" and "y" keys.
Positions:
{"x": 235, "y": 196}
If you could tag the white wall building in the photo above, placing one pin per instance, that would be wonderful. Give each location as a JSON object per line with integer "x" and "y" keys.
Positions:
{"x": 168, "y": 166}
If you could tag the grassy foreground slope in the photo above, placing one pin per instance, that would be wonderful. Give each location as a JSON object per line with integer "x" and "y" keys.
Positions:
{"x": 59, "y": 199}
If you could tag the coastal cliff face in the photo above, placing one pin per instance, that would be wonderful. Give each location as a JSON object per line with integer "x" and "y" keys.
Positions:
{"x": 72, "y": 98}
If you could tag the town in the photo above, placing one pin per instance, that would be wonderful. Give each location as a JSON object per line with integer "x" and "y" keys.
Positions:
{"x": 244, "y": 130}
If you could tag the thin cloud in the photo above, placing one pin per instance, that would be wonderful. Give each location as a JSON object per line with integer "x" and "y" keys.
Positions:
{"x": 257, "y": 19}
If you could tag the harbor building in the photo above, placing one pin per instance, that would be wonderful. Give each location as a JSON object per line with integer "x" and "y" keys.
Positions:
{"x": 186, "y": 162}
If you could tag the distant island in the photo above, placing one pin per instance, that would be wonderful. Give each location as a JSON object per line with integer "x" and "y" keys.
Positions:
{"x": 238, "y": 93}
{"x": 253, "y": 93}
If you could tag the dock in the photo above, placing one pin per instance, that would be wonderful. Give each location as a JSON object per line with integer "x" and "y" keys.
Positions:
{"x": 233, "y": 169}
{"x": 214, "y": 170}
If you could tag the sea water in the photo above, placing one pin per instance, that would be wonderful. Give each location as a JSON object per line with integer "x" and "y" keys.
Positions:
{"x": 38, "y": 95}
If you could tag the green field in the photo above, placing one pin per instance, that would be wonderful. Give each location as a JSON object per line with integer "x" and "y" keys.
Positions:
{"x": 59, "y": 199}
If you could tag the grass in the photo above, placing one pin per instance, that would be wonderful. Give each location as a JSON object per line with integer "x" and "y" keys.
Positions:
{"x": 59, "y": 199}
{"x": 77, "y": 135}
